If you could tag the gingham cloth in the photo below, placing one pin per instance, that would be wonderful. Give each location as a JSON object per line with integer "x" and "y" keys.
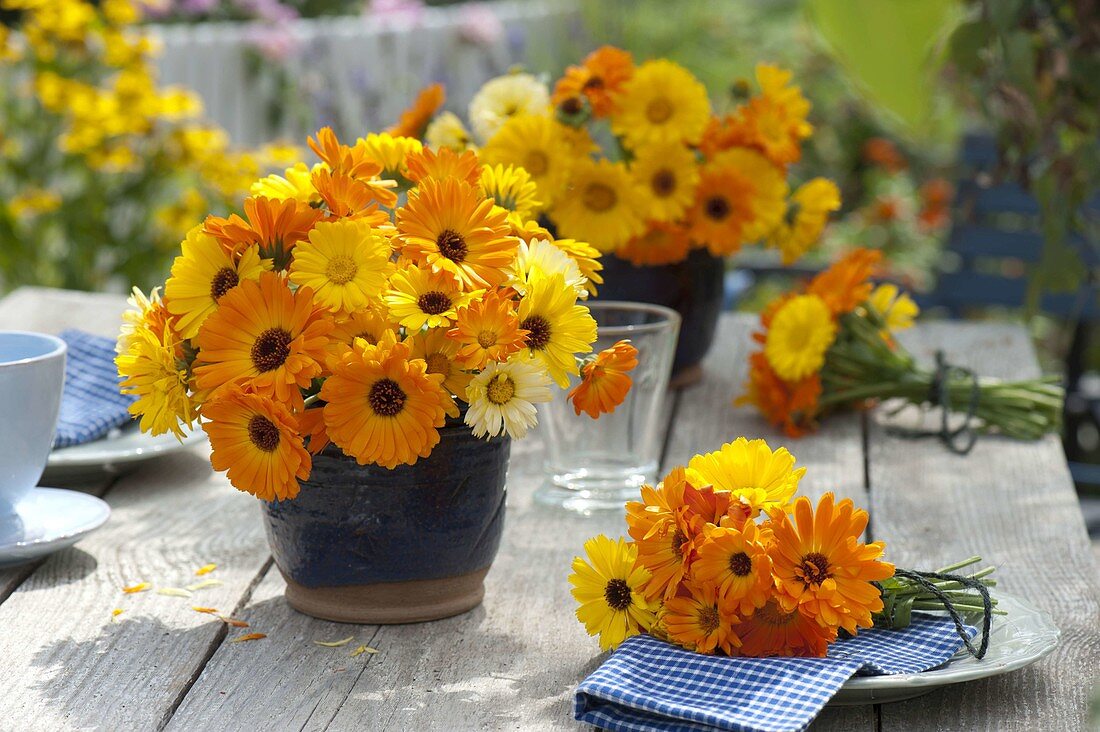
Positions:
{"x": 91, "y": 403}
{"x": 651, "y": 686}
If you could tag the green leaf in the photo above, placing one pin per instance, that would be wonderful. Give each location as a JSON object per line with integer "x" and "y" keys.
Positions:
{"x": 887, "y": 47}
{"x": 967, "y": 43}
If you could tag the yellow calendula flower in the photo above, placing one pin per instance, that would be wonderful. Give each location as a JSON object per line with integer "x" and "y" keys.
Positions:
{"x": 152, "y": 371}
{"x": 439, "y": 352}
{"x": 758, "y": 478}
{"x": 345, "y": 262}
{"x": 34, "y": 202}
{"x": 604, "y": 206}
{"x": 511, "y": 188}
{"x": 557, "y": 327}
{"x": 608, "y": 587}
{"x": 504, "y": 97}
{"x": 537, "y": 144}
{"x": 800, "y": 334}
{"x": 587, "y": 258}
{"x": 203, "y": 274}
{"x": 540, "y": 258}
{"x": 896, "y": 307}
{"x": 502, "y": 398}
{"x": 807, "y": 213}
{"x": 295, "y": 182}
{"x": 388, "y": 151}
{"x": 420, "y": 297}
{"x": 667, "y": 174}
{"x": 662, "y": 102}
{"x": 448, "y": 131}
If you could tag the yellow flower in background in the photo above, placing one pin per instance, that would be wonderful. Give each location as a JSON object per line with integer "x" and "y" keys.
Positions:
{"x": 281, "y": 153}
{"x": 661, "y": 243}
{"x": 603, "y": 206}
{"x": 800, "y": 334}
{"x": 448, "y": 131}
{"x": 419, "y": 297}
{"x": 537, "y": 144}
{"x": 662, "y": 102}
{"x": 151, "y": 370}
{"x": 540, "y": 258}
{"x": 775, "y": 120}
{"x": 345, "y": 262}
{"x": 558, "y": 329}
{"x": 579, "y": 140}
{"x": 608, "y": 587}
{"x": 176, "y": 219}
{"x": 33, "y": 202}
{"x": 296, "y": 182}
{"x": 504, "y": 97}
{"x": 896, "y": 307}
{"x": 587, "y": 258}
{"x": 511, "y": 188}
{"x": 741, "y": 197}
{"x": 388, "y": 151}
{"x": 805, "y": 219}
{"x": 438, "y": 352}
{"x": 667, "y": 174}
{"x": 757, "y": 477}
{"x": 202, "y": 275}
{"x": 502, "y": 398}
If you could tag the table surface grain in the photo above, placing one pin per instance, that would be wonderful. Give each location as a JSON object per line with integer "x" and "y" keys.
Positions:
{"x": 513, "y": 662}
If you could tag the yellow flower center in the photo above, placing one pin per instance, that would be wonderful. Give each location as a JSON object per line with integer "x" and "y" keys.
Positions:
{"x": 271, "y": 349}
{"x": 263, "y": 433}
{"x": 386, "y": 398}
{"x": 487, "y": 338}
{"x": 599, "y": 197}
{"x": 740, "y": 564}
{"x": 617, "y": 594}
{"x": 536, "y": 162}
{"x": 501, "y": 389}
{"x": 341, "y": 269}
{"x": 658, "y": 111}
{"x": 438, "y": 363}
{"x": 224, "y": 280}
{"x": 434, "y": 302}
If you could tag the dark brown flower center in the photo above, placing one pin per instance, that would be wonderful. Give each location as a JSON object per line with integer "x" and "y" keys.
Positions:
{"x": 664, "y": 183}
{"x": 434, "y": 302}
{"x": 224, "y": 280}
{"x": 708, "y": 619}
{"x": 386, "y": 398}
{"x": 263, "y": 433}
{"x": 815, "y": 568}
{"x": 570, "y": 106}
{"x": 599, "y": 197}
{"x": 452, "y": 245}
{"x": 717, "y": 207}
{"x": 679, "y": 538}
{"x": 271, "y": 349}
{"x": 594, "y": 82}
{"x": 740, "y": 564}
{"x": 617, "y": 594}
{"x": 538, "y": 331}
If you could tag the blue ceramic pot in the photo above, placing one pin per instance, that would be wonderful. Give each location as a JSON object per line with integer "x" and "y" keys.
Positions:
{"x": 364, "y": 544}
{"x": 693, "y": 288}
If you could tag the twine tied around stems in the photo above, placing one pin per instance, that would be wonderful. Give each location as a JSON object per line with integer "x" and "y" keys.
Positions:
{"x": 939, "y": 395}
{"x": 922, "y": 579}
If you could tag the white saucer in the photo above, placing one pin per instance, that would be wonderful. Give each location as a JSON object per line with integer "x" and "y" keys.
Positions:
{"x": 119, "y": 450}
{"x": 47, "y": 520}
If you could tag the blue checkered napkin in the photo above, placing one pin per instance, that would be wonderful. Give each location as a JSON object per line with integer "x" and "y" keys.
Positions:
{"x": 91, "y": 403}
{"x": 651, "y": 686}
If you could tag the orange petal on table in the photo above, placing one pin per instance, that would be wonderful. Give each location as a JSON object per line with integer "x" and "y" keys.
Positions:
{"x": 248, "y": 637}
{"x": 139, "y": 587}
{"x": 115, "y": 613}
{"x": 205, "y": 569}
{"x": 233, "y": 621}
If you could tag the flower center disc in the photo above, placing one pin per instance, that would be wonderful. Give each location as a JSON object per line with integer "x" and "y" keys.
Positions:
{"x": 708, "y": 619}
{"x": 386, "y": 398}
{"x": 452, "y": 245}
{"x": 500, "y": 390}
{"x": 271, "y": 349}
{"x": 438, "y": 363}
{"x": 658, "y": 111}
{"x": 341, "y": 269}
{"x": 717, "y": 208}
{"x": 740, "y": 564}
{"x": 599, "y": 197}
{"x": 486, "y": 338}
{"x": 263, "y": 433}
{"x": 536, "y": 162}
{"x": 663, "y": 183}
{"x": 224, "y": 281}
{"x": 538, "y": 331}
{"x": 617, "y": 594}
{"x": 815, "y": 568}
{"x": 434, "y": 302}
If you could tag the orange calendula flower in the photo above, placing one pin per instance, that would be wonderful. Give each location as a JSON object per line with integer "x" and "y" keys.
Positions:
{"x": 382, "y": 406}
{"x": 348, "y": 197}
{"x": 414, "y": 119}
{"x": 791, "y": 406}
{"x": 666, "y": 546}
{"x": 821, "y": 567}
{"x": 740, "y": 198}
{"x": 604, "y": 73}
{"x": 699, "y": 622}
{"x": 771, "y": 631}
{"x": 443, "y": 163}
{"x": 264, "y": 336}
{"x": 735, "y": 562}
{"x": 438, "y": 352}
{"x": 846, "y": 284}
{"x": 276, "y": 226}
{"x": 774, "y": 121}
{"x": 311, "y": 424}
{"x": 604, "y": 380}
{"x": 341, "y": 158}
{"x": 487, "y": 329}
{"x": 255, "y": 440}
{"x": 449, "y": 227}
{"x": 662, "y": 243}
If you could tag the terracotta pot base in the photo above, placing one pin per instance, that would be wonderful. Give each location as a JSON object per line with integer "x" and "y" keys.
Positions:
{"x": 389, "y": 603}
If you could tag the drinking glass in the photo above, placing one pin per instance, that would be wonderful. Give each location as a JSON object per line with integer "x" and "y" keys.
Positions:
{"x": 595, "y": 464}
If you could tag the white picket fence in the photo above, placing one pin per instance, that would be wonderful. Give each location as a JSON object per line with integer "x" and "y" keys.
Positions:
{"x": 358, "y": 72}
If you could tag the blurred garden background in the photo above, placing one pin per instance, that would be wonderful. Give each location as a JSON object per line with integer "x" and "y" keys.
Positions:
{"x": 962, "y": 133}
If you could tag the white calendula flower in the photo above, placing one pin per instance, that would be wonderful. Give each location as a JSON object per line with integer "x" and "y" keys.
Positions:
{"x": 504, "y": 97}
{"x": 502, "y": 398}
{"x": 541, "y": 258}
{"x": 447, "y": 130}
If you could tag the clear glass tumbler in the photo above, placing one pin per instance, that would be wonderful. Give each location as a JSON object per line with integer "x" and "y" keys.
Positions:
{"x": 596, "y": 464}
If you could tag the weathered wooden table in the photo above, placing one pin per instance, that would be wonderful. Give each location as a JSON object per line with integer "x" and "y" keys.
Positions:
{"x": 513, "y": 662}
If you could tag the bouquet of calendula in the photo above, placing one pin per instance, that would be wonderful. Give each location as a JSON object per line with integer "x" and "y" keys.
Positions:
{"x": 335, "y": 310}
{"x": 723, "y": 558}
{"x": 634, "y": 159}
{"x": 831, "y": 345}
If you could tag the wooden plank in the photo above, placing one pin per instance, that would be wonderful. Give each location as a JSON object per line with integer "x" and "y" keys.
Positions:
{"x": 1013, "y": 503}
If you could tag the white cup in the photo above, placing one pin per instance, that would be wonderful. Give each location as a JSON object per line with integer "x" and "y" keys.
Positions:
{"x": 32, "y": 375}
